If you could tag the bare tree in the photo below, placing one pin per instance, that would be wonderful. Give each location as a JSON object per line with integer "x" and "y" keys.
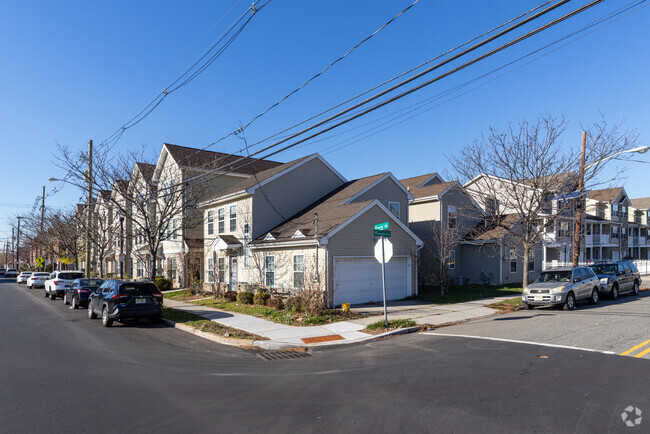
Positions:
{"x": 64, "y": 236}
{"x": 527, "y": 171}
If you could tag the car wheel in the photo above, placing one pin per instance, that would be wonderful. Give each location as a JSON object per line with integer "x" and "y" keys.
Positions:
{"x": 635, "y": 288}
{"x": 614, "y": 292}
{"x": 74, "y": 303}
{"x": 91, "y": 312}
{"x": 595, "y": 296}
{"x": 65, "y": 299}
{"x": 52, "y": 295}
{"x": 106, "y": 321}
{"x": 529, "y": 306}
{"x": 570, "y": 302}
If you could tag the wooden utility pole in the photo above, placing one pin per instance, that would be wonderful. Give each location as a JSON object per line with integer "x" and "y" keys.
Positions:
{"x": 577, "y": 233}
{"x": 89, "y": 175}
{"x": 40, "y": 232}
{"x": 18, "y": 244}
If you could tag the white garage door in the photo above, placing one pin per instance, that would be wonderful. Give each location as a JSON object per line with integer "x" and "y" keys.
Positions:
{"x": 358, "y": 280}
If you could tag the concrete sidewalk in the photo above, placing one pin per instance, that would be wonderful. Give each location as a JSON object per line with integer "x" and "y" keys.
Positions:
{"x": 283, "y": 336}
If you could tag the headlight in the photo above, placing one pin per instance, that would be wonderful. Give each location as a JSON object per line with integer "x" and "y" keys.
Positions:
{"x": 604, "y": 281}
{"x": 558, "y": 289}
{"x": 526, "y": 291}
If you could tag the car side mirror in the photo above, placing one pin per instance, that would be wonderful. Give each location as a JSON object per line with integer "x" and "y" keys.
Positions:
{"x": 576, "y": 280}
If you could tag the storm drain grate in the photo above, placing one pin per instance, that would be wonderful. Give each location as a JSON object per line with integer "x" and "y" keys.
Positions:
{"x": 281, "y": 355}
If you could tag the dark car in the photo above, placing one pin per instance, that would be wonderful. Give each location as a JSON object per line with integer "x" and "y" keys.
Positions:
{"x": 617, "y": 277}
{"x": 117, "y": 300}
{"x": 11, "y": 272}
{"x": 79, "y": 290}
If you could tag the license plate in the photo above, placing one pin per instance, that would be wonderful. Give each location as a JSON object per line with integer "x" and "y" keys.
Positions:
{"x": 140, "y": 301}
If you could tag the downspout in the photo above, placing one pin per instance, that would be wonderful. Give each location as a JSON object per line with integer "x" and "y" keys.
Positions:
{"x": 417, "y": 257}
{"x": 501, "y": 262}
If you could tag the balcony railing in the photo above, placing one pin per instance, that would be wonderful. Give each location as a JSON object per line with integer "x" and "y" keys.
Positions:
{"x": 597, "y": 240}
{"x": 638, "y": 241}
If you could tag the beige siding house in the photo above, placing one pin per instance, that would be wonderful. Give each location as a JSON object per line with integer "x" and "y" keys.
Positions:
{"x": 303, "y": 226}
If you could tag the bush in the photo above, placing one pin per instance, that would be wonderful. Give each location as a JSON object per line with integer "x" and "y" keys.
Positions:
{"x": 245, "y": 297}
{"x": 275, "y": 303}
{"x": 162, "y": 283}
{"x": 295, "y": 304}
{"x": 261, "y": 298}
{"x": 230, "y": 296}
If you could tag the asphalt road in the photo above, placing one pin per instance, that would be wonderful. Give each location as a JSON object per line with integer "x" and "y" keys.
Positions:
{"x": 615, "y": 326}
{"x": 62, "y": 372}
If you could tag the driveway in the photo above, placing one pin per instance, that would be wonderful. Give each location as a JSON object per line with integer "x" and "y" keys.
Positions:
{"x": 613, "y": 326}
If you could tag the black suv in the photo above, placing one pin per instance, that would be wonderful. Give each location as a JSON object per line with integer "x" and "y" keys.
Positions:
{"x": 617, "y": 277}
{"x": 117, "y": 300}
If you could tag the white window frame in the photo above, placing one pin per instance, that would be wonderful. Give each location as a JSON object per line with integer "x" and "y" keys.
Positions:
{"x": 513, "y": 252}
{"x": 221, "y": 269}
{"x": 211, "y": 270}
{"x": 531, "y": 261}
{"x": 140, "y": 268}
{"x": 174, "y": 231}
{"x": 247, "y": 249}
{"x": 296, "y": 255}
{"x": 399, "y": 212}
{"x": 211, "y": 222}
{"x": 452, "y": 259}
{"x": 267, "y": 271}
{"x": 221, "y": 220}
{"x": 232, "y": 220}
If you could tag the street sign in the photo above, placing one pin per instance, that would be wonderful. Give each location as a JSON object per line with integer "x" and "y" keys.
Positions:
{"x": 40, "y": 261}
{"x": 377, "y": 233}
{"x": 387, "y": 253}
{"x": 122, "y": 257}
{"x": 381, "y": 226}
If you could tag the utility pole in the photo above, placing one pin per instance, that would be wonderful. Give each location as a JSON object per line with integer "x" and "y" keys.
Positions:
{"x": 13, "y": 259}
{"x": 122, "y": 247}
{"x": 89, "y": 175}
{"x": 581, "y": 186}
{"x": 18, "y": 244}
{"x": 40, "y": 232}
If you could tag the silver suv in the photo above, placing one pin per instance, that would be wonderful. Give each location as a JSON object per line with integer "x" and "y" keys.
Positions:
{"x": 617, "y": 277}
{"x": 56, "y": 284}
{"x": 562, "y": 286}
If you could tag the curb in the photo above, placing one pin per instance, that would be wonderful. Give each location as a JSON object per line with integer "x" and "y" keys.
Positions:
{"x": 212, "y": 337}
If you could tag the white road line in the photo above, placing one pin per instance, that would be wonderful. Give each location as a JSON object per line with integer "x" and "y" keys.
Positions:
{"x": 591, "y": 350}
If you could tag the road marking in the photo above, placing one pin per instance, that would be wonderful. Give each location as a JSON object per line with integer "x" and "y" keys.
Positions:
{"x": 643, "y": 353}
{"x": 591, "y": 350}
{"x": 631, "y": 350}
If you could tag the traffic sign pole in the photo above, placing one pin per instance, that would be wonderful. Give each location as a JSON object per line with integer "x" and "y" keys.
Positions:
{"x": 383, "y": 280}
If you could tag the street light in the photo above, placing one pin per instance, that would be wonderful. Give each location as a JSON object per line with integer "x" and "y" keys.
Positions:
{"x": 581, "y": 187}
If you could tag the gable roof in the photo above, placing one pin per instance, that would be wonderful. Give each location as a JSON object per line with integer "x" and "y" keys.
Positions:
{"x": 489, "y": 231}
{"x": 641, "y": 203}
{"x": 431, "y": 190}
{"x": 605, "y": 194}
{"x": 422, "y": 180}
{"x": 203, "y": 159}
{"x": 146, "y": 170}
{"x": 334, "y": 209}
{"x": 105, "y": 194}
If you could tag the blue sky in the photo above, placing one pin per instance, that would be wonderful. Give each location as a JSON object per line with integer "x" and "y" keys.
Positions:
{"x": 77, "y": 70}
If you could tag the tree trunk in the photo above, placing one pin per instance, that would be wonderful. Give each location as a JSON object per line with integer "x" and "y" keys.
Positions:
{"x": 525, "y": 266}
{"x": 154, "y": 258}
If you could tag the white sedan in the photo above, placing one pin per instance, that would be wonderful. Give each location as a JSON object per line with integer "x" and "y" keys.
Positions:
{"x": 23, "y": 276}
{"x": 37, "y": 279}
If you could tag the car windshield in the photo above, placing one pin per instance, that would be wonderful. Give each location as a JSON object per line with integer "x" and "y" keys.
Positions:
{"x": 138, "y": 288}
{"x": 40, "y": 274}
{"x": 70, "y": 276}
{"x": 93, "y": 283}
{"x": 604, "y": 268}
{"x": 554, "y": 276}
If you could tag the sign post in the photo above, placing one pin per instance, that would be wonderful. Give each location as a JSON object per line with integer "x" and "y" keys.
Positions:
{"x": 383, "y": 253}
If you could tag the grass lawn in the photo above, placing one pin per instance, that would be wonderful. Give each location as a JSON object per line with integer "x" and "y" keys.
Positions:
{"x": 282, "y": 316}
{"x": 509, "y": 305}
{"x": 181, "y": 295}
{"x": 459, "y": 294}
{"x": 198, "y": 322}
{"x": 379, "y": 327}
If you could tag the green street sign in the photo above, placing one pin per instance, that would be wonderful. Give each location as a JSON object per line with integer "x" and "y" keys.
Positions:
{"x": 377, "y": 233}
{"x": 381, "y": 226}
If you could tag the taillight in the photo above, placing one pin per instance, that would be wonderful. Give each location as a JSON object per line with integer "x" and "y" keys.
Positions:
{"x": 82, "y": 291}
{"x": 56, "y": 282}
{"x": 116, "y": 296}
{"x": 157, "y": 294}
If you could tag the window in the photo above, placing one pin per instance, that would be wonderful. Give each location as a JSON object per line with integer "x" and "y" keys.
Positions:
{"x": 615, "y": 232}
{"x": 210, "y": 222}
{"x": 174, "y": 231}
{"x": 513, "y": 261}
{"x": 233, "y": 218}
{"x": 247, "y": 250}
{"x": 221, "y": 268}
{"x": 269, "y": 270}
{"x": 210, "y": 270}
{"x": 451, "y": 217}
{"x": 171, "y": 268}
{"x": 452, "y": 260}
{"x": 299, "y": 271}
{"x": 531, "y": 261}
{"x": 221, "y": 220}
{"x": 623, "y": 233}
{"x": 140, "y": 268}
{"x": 394, "y": 208}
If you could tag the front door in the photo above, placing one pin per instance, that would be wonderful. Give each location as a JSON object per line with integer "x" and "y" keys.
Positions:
{"x": 233, "y": 273}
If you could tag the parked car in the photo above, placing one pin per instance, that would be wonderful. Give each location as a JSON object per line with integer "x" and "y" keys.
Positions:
{"x": 79, "y": 290}
{"x": 562, "y": 286}
{"x": 617, "y": 277}
{"x": 2, "y": 271}
{"x": 58, "y": 281}
{"x": 11, "y": 272}
{"x": 117, "y": 300}
{"x": 22, "y": 277}
{"x": 37, "y": 279}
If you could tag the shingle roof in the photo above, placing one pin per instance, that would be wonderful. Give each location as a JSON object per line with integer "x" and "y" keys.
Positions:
{"x": 641, "y": 203}
{"x": 146, "y": 170}
{"x": 491, "y": 230}
{"x": 416, "y": 181}
{"x": 429, "y": 190}
{"x": 106, "y": 194}
{"x": 208, "y": 160}
{"x": 331, "y": 212}
{"x": 605, "y": 194}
